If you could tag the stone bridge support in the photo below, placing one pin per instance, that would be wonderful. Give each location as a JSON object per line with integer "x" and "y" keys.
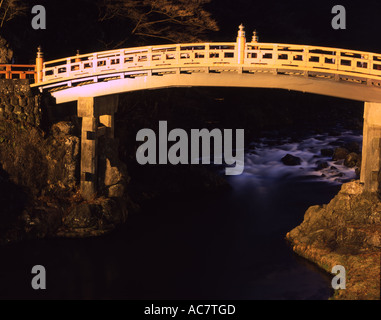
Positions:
{"x": 97, "y": 115}
{"x": 371, "y": 149}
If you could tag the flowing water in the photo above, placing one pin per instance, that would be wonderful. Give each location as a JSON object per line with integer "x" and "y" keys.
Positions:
{"x": 198, "y": 247}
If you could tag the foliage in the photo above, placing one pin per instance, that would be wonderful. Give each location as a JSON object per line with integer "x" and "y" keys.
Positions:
{"x": 9, "y": 9}
{"x": 171, "y": 20}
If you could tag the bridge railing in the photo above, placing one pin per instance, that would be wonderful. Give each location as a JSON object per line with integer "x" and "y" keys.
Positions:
{"x": 18, "y": 71}
{"x": 310, "y": 58}
{"x": 224, "y": 54}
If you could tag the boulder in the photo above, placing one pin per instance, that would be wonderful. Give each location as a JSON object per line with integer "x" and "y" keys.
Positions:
{"x": 290, "y": 160}
{"x": 351, "y": 160}
{"x": 321, "y": 165}
{"x": 340, "y": 154}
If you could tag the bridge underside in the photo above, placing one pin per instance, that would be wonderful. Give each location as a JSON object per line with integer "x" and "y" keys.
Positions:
{"x": 318, "y": 84}
{"x": 97, "y": 104}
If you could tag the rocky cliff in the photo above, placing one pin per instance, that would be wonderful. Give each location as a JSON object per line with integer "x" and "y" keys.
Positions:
{"x": 346, "y": 232}
{"x": 39, "y": 173}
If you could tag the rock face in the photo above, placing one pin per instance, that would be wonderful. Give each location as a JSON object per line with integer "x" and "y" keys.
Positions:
{"x": 18, "y": 103}
{"x": 347, "y": 232}
{"x": 40, "y": 170}
{"x": 43, "y": 170}
{"x": 45, "y": 165}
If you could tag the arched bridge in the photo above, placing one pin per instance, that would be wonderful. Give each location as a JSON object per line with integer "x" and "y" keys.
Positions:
{"x": 348, "y": 73}
{"x": 95, "y": 79}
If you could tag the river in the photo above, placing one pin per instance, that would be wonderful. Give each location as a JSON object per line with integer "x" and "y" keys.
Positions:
{"x": 228, "y": 246}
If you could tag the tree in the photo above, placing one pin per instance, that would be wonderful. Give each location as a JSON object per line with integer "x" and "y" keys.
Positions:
{"x": 6, "y": 52}
{"x": 10, "y": 9}
{"x": 171, "y": 20}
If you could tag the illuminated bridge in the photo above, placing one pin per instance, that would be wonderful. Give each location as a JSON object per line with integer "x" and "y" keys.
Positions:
{"x": 95, "y": 80}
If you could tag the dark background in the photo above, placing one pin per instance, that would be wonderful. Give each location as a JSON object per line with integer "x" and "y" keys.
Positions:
{"x": 72, "y": 25}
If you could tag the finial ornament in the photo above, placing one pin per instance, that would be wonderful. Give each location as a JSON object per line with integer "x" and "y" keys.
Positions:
{"x": 255, "y": 36}
{"x": 39, "y": 65}
{"x": 40, "y": 54}
{"x": 241, "y": 31}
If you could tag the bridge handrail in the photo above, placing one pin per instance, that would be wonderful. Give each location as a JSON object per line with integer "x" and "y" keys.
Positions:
{"x": 136, "y": 49}
{"x": 256, "y": 55}
{"x": 21, "y": 70}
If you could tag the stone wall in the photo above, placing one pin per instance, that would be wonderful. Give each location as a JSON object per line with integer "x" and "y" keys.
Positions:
{"x": 18, "y": 102}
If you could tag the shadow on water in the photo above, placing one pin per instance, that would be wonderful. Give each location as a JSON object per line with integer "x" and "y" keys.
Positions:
{"x": 220, "y": 247}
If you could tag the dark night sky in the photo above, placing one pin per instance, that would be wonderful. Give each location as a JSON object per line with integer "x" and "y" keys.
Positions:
{"x": 71, "y": 25}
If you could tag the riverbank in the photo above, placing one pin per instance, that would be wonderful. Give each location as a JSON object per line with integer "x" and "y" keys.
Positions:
{"x": 347, "y": 232}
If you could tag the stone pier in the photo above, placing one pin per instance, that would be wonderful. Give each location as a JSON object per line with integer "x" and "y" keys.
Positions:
{"x": 371, "y": 149}
{"x": 94, "y": 111}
